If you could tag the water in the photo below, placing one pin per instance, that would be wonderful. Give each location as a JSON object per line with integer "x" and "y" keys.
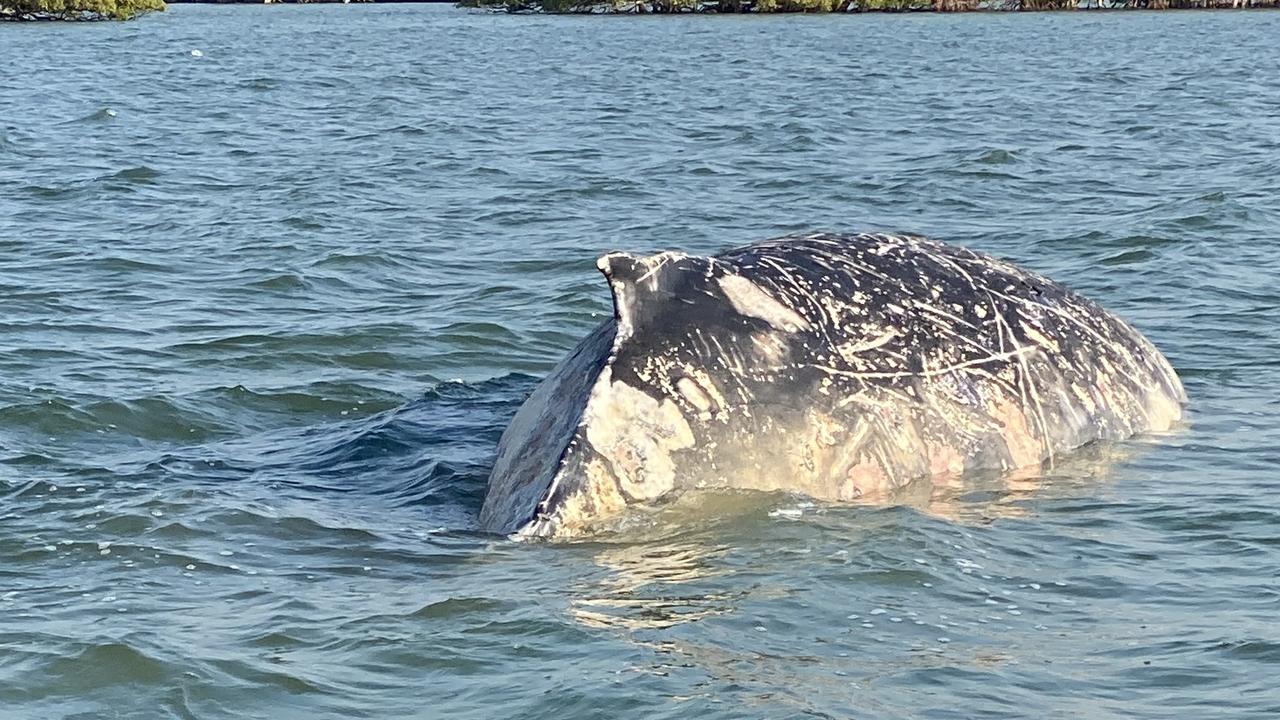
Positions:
{"x": 266, "y": 311}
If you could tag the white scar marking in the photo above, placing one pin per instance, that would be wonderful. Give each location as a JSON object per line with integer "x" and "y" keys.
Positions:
{"x": 1036, "y": 336}
{"x": 848, "y": 350}
{"x": 748, "y": 299}
{"x": 696, "y": 387}
{"x": 926, "y": 307}
{"x": 694, "y": 394}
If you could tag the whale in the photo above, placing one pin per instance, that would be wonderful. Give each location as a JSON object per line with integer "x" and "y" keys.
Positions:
{"x": 834, "y": 366}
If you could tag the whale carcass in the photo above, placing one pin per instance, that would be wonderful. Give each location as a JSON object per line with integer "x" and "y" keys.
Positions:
{"x": 836, "y": 366}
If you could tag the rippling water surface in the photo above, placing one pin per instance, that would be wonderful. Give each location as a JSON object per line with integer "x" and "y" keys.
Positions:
{"x": 266, "y": 311}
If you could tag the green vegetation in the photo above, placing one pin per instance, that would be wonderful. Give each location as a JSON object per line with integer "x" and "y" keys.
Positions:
{"x": 822, "y": 6}
{"x": 76, "y": 9}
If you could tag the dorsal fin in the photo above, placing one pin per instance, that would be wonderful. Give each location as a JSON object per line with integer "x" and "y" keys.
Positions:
{"x": 622, "y": 266}
{"x": 635, "y": 281}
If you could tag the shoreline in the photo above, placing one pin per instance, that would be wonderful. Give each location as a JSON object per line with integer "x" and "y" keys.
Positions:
{"x": 311, "y": 2}
{"x": 92, "y": 10}
{"x": 849, "y": 7}
{"x": 682, "y": 7}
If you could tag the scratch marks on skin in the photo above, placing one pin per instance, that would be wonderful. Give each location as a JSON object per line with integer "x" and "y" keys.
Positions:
{"x": 877, "y": 359}
{"x": 945, "y": 321}
{"x": 1136, "y": 370}
{"x": 656, "y": 263}
{"x": 1026, "y": 388}
{"x": 928, "y": 372}
{"x": 940, "y": 305}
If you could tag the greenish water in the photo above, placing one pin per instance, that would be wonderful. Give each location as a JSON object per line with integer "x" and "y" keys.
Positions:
{"x": 266, "y": 311}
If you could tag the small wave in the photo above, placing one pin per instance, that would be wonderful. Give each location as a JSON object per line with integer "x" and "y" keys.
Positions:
{"x": 128, "y": 265}
{"x": 361, "y": 260}
{"x": 261, "y": 84}
{"x": 454, "y": 607}
{"x": 1265, "y": 651}
{"x": 199, "y": 417}
{"x": 486, "y": 171}
{"x": 302, "y": 222}
{"x": 140, "y": 175}
{"x": 328, "y": 344}
{"x": 103, "y": 115}
{"x": 48, "y": 192}
{"x": 434, "y": 451}
{"x": 114, "y": 663}
{"x": 1194, "y": 221}
{"x": 466, "y": 335}
{"x": 997, "y": 157}
{"x": 1142, "y": 130}
{"x": 410, "y": 130}
{"x": 777, "y": 183}
{"x": 325, "y": 399}
{"x": 981, "y": 174}
{"x": 287, "y": 282}
{"x": 1129, "y": 257}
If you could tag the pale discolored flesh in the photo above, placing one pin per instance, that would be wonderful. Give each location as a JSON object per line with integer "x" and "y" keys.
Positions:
{"x": 837, "y": 366}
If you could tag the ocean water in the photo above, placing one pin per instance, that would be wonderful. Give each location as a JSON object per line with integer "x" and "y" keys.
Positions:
{"x": 266, "y": 308}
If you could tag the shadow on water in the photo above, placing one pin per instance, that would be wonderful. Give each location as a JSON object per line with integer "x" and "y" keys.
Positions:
{"x": 433, "y": 452}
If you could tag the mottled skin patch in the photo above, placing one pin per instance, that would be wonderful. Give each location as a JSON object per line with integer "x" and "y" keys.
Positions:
{"x": 636, "y": 435}
{"x": 841, "y": 367}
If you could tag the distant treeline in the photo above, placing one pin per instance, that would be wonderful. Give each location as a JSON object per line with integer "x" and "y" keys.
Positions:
{"x": 846, "y": 6}
{"x": 126, "y": 9}
{"x": 76, "y": 9}
{"x": 299, "y": 2}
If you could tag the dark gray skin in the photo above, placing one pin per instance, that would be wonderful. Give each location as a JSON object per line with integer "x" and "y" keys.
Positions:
{"x": 840, "y": 367}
